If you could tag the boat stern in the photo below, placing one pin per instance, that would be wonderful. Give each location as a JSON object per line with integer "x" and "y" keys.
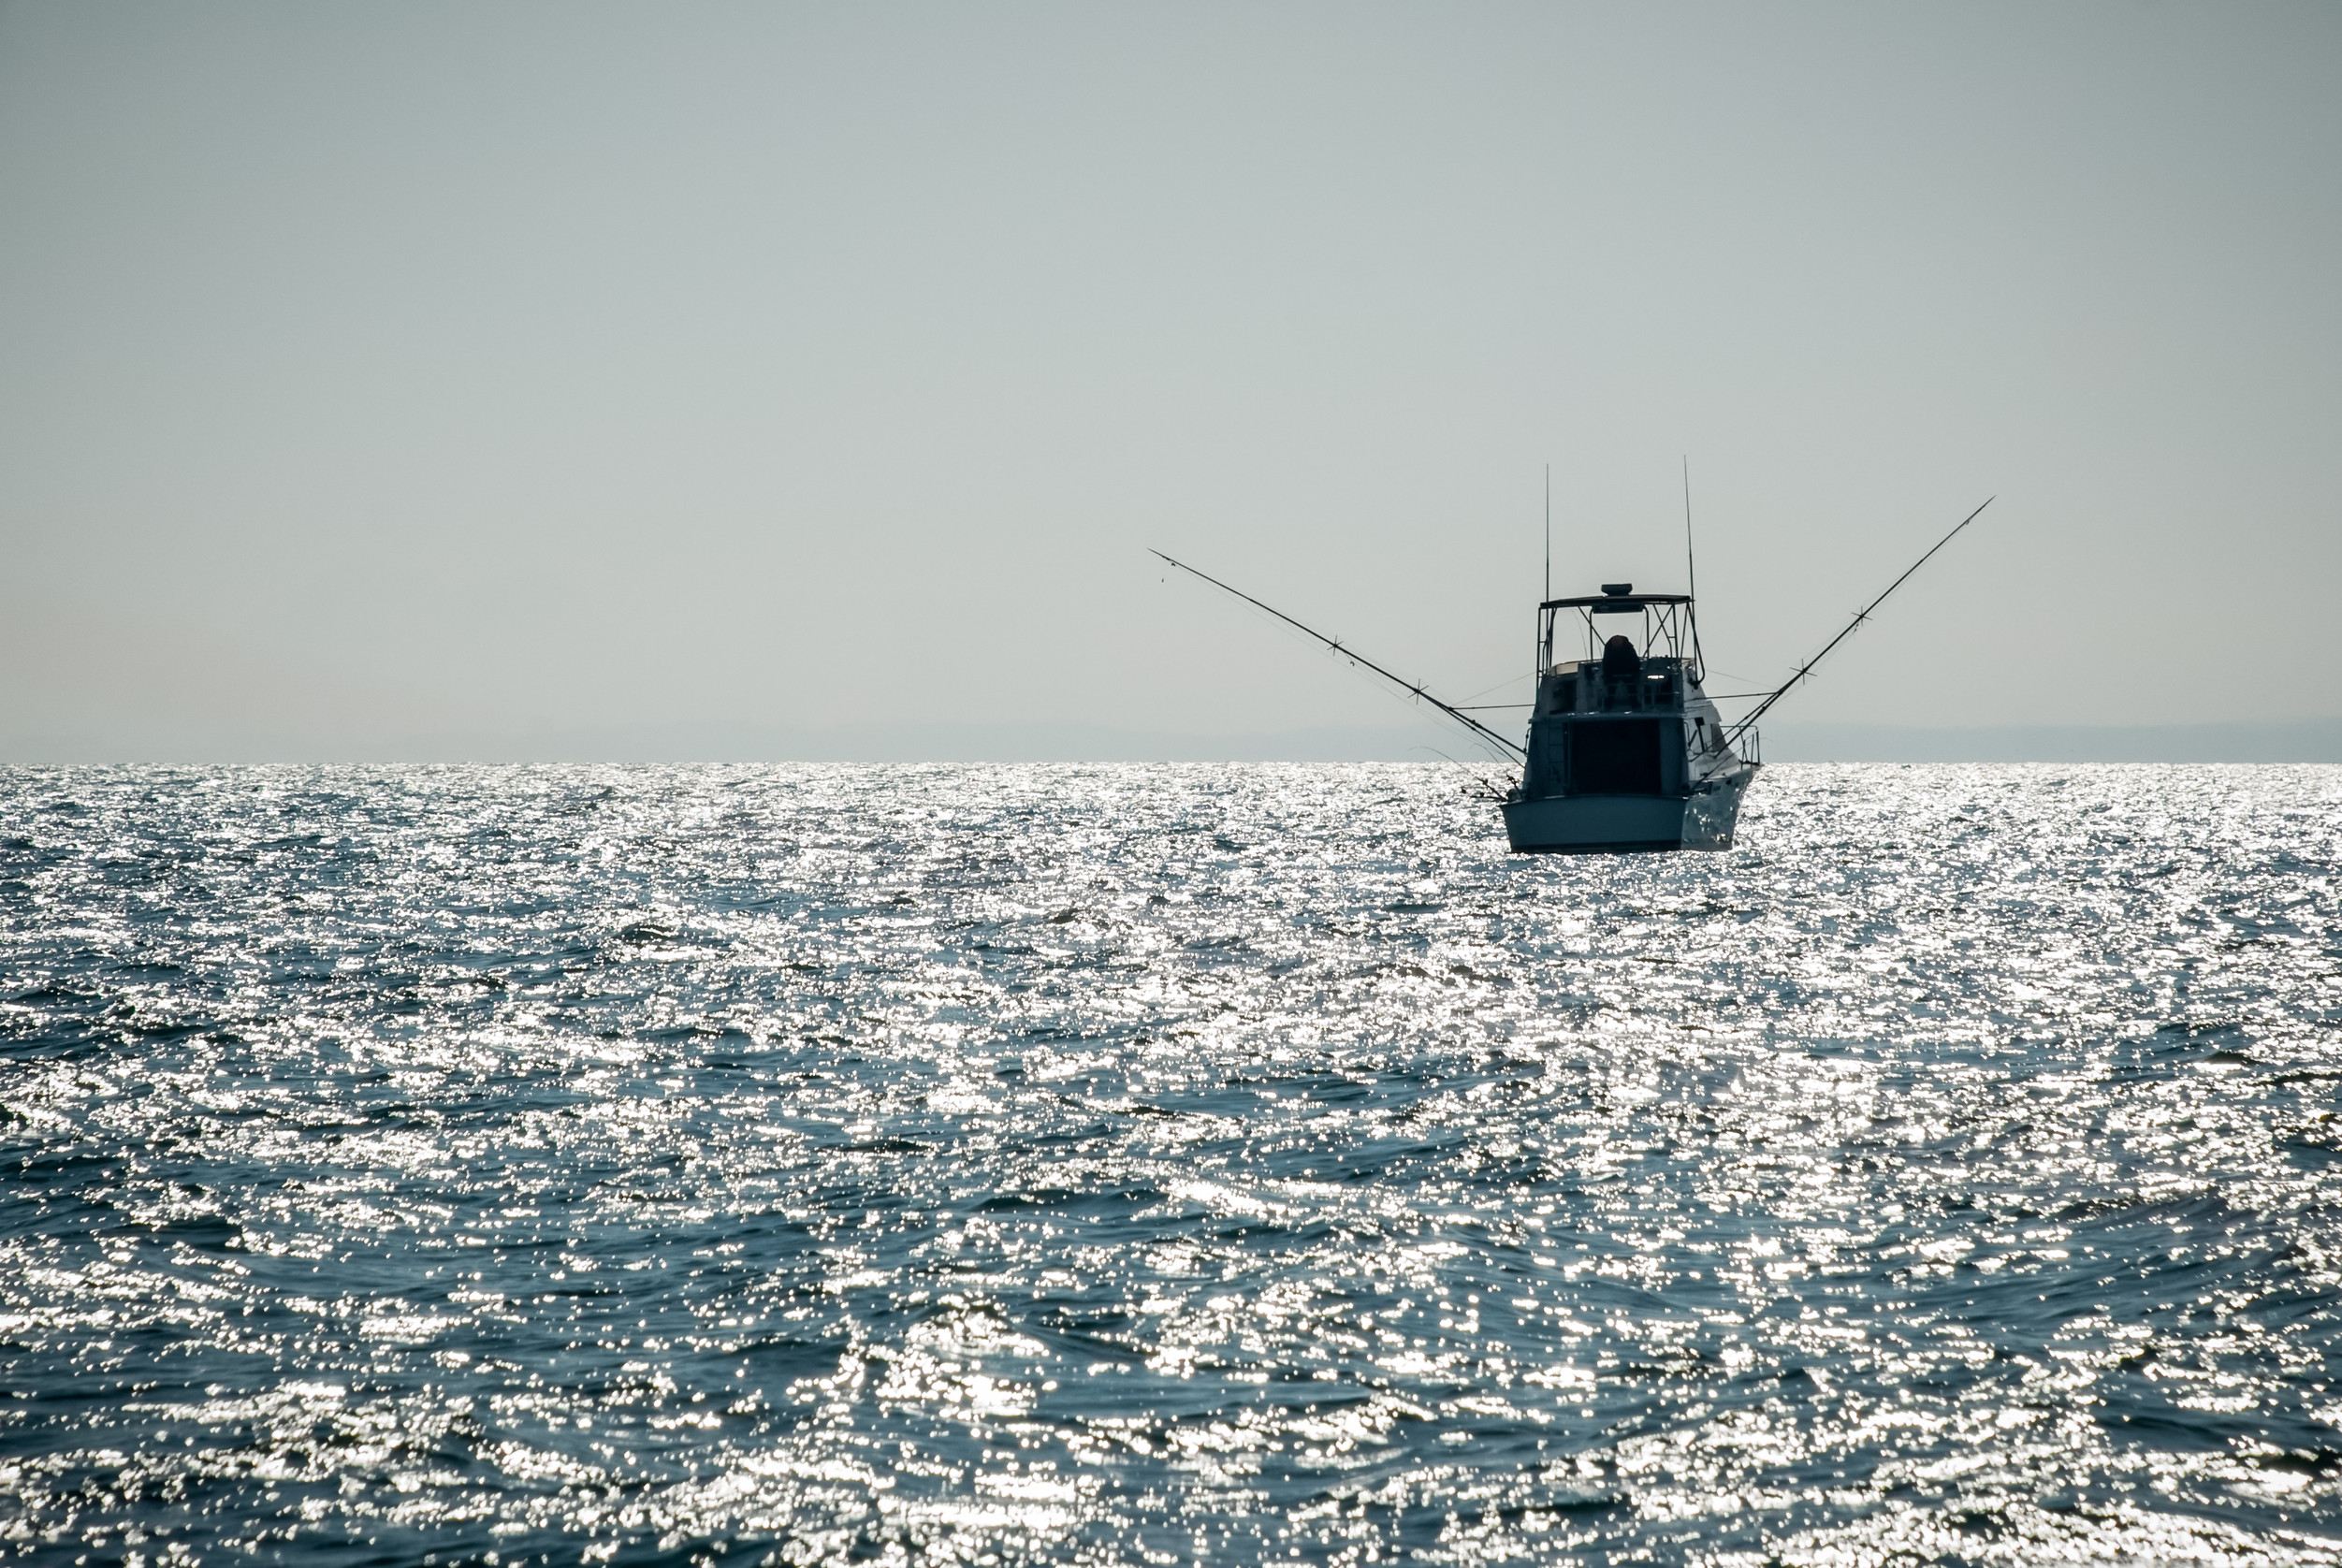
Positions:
{"x": 1612, "y": 824}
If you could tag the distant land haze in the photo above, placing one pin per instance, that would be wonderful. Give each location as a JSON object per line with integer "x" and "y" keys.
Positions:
{"x": 2315, "y": 740}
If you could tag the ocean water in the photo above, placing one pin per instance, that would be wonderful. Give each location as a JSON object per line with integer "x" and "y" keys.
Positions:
{"x": 1153, "y": 1165}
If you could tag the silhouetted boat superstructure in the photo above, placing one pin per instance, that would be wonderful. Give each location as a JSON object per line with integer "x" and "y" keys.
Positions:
{"x": 1625, "y": 750}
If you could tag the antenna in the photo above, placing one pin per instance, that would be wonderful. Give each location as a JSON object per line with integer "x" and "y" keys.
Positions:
{"x": 1691, "y": 570}
{"x": 1541, "y": 652}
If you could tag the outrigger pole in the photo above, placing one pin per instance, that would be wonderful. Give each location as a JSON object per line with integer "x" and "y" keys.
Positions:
{"x": 1807, "y": 668}
{"x": 1355, "y": 657}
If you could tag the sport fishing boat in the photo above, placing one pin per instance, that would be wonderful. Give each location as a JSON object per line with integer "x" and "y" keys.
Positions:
{"x": 1625, "y": 749}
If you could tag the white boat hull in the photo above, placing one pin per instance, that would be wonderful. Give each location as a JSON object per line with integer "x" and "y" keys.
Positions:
{"x": 1600, "y": 825}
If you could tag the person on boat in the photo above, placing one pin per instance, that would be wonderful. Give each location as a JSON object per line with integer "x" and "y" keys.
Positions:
{"x": 1620, "y": 661}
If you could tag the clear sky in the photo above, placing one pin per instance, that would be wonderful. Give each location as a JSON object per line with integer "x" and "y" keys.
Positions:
{"x": 376, "y": 371}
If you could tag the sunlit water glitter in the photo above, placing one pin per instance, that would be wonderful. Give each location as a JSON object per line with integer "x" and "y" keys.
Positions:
{"x": 1155, "y": 1163}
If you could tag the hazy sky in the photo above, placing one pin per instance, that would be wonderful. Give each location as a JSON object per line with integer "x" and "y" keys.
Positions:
{"x": 373, "y": 371}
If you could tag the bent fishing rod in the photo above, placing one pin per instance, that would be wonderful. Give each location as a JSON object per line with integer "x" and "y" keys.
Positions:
{"x": 1807, "y": 668}
{"x": 1412, "y": 688}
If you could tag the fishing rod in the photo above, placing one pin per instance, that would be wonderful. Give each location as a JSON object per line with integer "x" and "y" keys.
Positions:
{"x": 1807, "y": 668}
{"x": 1358, "y": 659}
{"x": 1490, "y": 789}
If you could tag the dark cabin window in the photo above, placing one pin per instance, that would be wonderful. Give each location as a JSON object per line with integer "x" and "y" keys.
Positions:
{"x": 1614, "y": 757}
{"x": 1565, "y": 695}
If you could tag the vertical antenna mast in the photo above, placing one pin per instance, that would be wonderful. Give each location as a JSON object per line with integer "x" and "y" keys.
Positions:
{"x": 1690, "y": 573}
{"x": 1543, "y": 650}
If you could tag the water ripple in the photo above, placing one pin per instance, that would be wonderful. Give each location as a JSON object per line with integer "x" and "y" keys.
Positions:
{"x": 1140, "y": 1163}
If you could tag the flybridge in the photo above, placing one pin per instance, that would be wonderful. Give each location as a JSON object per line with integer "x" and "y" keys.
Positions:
{"x": 1625, "y": 751}
{"x": 1668, "y": 618}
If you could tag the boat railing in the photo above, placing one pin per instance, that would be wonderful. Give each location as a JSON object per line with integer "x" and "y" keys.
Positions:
{"x": 1751, "y": 749}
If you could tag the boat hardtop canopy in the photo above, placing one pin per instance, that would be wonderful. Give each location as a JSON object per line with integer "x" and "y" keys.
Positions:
{"x": 1615, "y": 603}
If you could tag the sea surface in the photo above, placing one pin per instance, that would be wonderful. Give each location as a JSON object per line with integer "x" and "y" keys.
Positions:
{"x": 1165, "y": 1164}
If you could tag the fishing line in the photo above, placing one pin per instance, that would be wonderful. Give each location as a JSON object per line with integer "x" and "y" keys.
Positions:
{"x": 1494, "y": 791}
{"x": 1498, "y": 687}
{"x": 1358, "y": 668}
{"x": 1413, "y": 688}
{"x": 1861, "y": 616}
